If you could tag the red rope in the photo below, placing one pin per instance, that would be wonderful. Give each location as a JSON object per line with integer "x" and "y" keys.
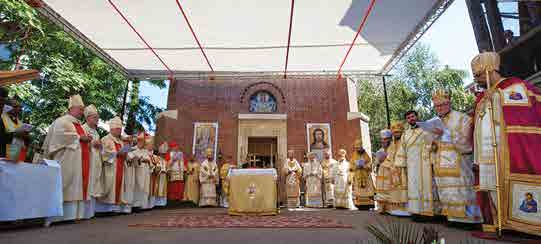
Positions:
{"x": 361, "y": 26}
{"x": 194, "y": 35}
{"x": 141, "y": 37}
{"x": 289, "y": 36}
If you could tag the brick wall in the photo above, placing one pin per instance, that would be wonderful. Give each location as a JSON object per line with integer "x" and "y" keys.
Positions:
{"x": 303, "y": 99}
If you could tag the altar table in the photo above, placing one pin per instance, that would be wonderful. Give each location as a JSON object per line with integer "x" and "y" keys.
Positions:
{"x": 252, "y": 192}
{"x": 30, "y": 191}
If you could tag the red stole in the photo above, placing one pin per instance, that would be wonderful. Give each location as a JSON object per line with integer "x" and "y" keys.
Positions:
{"x": 85, "y": 158}
{"x": 119, "y": 173}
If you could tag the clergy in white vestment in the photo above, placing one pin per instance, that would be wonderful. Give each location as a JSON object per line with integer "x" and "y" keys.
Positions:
{"x": 153, "y": 161}
{"x": 69, "y": 144}
{"x": 114, "y": 155}
{"x": 342, "y": 180}
{"x": 293, "y": 173}
{"x": 129, "y": 173}
{"x": 422, "y": 193}
{"x": 140, "y": 159}
{"x": 160, "y": 174}
{"x": 208, "y": 178}
{"x": 312, "y": 175}
{"x": 453, "y": 162}
{"x": 91, "y": 127}
{"x": 327, "y": 164}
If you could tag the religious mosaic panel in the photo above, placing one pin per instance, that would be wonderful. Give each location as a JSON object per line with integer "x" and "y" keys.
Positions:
{"x": 205, "y": 136}
{"x": 525, "y": 197}
{"x": 262, "y": 102}
{"x": 318, "y": 138}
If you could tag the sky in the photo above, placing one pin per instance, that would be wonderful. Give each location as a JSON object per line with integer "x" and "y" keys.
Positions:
{"x": 451, "y": 38}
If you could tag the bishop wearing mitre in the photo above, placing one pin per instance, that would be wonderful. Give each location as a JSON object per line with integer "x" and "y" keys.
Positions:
{"x": 91, "y": 128}
{"x": 160, "y": 176}
{"x": 175, "y": 171}
{"x": 224, "y": 178}
{"x": 69, "y": 144}
{"x": 327, "y": 164}
{"x": 208, "y": 177}
{"x": 313, "y": 175}
{"x": 191, "y": 191}
{"x": 362, "y": 185}
{"x": 140, "y": 160}
{"x": 342, "y": 178}
{"x": 506, "y": 140}
{"x": 114, "y": 160}
{"x": 293, "y": 173}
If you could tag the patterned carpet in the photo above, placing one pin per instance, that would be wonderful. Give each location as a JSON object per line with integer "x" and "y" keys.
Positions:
{"x": 176, "y": 220}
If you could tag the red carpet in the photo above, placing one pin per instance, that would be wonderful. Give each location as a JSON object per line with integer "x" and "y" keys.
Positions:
{"x": 226, "y": 221}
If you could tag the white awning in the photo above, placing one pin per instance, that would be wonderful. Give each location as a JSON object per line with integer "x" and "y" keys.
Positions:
{"x": 246, "y": 35}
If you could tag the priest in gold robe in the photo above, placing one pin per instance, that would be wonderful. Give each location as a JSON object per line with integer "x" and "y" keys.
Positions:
{"x": 114, "y": 155}
{"x": 140, "y": 160}
{"x": 191, "y": 191}
{"x": 391, "y": 179}
{"x": 293, "y": 173}
{"x": 363, "y": 186}
{"x": 327, "y": 165}
{"x": 313, "y": 175}
{"x": 160, "y": 176}
{"x": 422, "y": 192}
{"x": 342, "y": 180}
{"x": 69, "y": 144}
{"x": 208, "y": 178}
{"x": 91, "y": 126}
{"x": 452, "y": 162}
{"x": 224, "y": 178}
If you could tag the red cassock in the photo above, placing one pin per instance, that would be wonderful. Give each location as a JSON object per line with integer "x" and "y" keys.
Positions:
{"x": 520, "y": 163}
{"x": 175, "y": 188}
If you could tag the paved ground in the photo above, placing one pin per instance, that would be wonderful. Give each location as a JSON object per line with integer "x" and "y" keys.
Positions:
{"x": 114, "y": 229}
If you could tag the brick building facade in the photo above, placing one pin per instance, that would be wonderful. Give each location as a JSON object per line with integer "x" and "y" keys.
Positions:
{"x": 299, "y": 100}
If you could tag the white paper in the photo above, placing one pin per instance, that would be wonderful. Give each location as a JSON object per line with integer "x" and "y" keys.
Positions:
{"x": 446, "y": 136}
{"x": 125, "y": 149}
{"x": 7, "y": 108}
{"x": 381, "y": 155}
{"x": 52, "y": 163}
{"x": 24, "y": 128}
{"x": 431, "y": 124}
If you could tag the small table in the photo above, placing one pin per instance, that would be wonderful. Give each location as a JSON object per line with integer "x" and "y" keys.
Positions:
{"x": 30, "y": 191}
{"x": 252, "y": 192}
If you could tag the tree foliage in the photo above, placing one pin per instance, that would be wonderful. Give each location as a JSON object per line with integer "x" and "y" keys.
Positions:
{"x": 410, "y": 88}
{"x": 67, "y": 68}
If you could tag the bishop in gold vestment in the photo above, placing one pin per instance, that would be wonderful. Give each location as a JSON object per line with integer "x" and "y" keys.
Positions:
{"x": 191, "y": 191}
{"x": 391, "y": 180}
{"x": 208, "y": 178}
{"x": 160, "y": 176}
{"x": 363, "y": 186}
{"x": 224, "y": 178}
{"x": 293, "y": 173}
{"x": 452, "y": 163}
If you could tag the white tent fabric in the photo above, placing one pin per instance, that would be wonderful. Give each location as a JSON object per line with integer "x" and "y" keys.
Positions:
{"x": 248, "y": 35}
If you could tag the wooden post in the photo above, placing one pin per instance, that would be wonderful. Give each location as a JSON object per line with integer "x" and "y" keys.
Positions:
{"x": 496, "y": 26}
{"x": 479, "y": 24}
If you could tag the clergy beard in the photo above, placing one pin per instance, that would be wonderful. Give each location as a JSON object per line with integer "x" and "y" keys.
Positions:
{"x": 414, "y": 125}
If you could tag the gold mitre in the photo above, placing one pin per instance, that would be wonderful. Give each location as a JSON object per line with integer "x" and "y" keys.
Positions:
{"x": 342, "y": 152}
{"x": 485, "y": 62}
{"x": 440, "y": 96}
{"x": 90, "y": 110}
{"x": 357, "y": 143}
{"x": 209, "y": 151}
{"x": 115, "y": 123}
{"x": 397, "y": 126}
{"x": 76, "y": 101}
